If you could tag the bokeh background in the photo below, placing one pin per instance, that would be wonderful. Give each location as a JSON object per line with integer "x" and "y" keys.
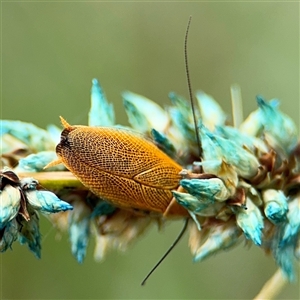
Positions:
{"x": 50, "y": 53}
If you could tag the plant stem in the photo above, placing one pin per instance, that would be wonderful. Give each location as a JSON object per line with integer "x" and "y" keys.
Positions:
{"x": 272, "y": 287}
{"x": 54, "y": 180}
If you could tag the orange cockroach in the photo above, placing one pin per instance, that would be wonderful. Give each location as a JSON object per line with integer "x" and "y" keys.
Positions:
{"x": 121, "y": 167}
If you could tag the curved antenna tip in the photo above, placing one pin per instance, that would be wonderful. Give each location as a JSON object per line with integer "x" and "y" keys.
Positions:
{"x": 167, "y": 252}
{"x": 187, "y": 72}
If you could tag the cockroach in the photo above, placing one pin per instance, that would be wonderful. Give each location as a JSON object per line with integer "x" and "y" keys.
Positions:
{"x": 122, "y": 167}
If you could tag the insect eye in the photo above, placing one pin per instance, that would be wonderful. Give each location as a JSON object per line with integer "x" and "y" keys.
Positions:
{"x": 64, "y": 140}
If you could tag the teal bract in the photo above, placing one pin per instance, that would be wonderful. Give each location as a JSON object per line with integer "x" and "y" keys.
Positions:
{"x": 213, "y": 239}
{"x": 283, "y": 137}
{"x": 37, "y": 161}
{"x": 79, "y": 229}
{"x": 250, "y": 220}
{"x": 29, "y": 233}
{"x": 35, "y": 138}
{"x": 101, "y": 112}
{"x": 211, "y": 112}
{"x": 10, "y": 202}
{"x": 276, "y": 205}
{"x": 143, "y": 114}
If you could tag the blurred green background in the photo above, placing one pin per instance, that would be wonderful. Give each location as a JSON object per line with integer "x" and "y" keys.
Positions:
{"x": 50, "y": 53}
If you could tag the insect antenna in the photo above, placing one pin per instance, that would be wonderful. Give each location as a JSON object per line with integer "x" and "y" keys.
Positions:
{"x": 168, "y": 251}
{"x": 199, "y": 147}
{"x": 187, "y": 72}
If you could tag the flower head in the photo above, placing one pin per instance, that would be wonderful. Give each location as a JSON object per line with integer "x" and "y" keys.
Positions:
{"x": 245, "y": 186}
